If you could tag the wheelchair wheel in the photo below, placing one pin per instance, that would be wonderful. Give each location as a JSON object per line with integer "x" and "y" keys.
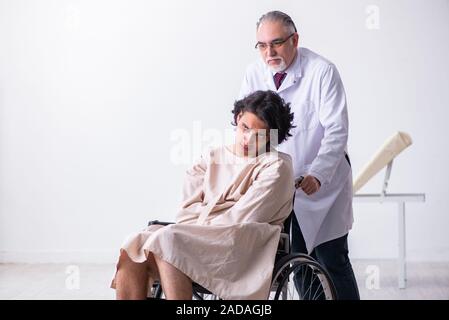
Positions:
{"x": 198, "y": 292}
{"x": 156, "y": 291}
{"x": 300, "y": 277}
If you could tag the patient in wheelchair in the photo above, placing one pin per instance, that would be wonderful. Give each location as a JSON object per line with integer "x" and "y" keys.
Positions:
{"x": 235, "y": 200}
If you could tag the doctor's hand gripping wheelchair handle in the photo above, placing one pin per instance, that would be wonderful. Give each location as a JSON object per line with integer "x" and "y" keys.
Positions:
{"x": 298, "y": 181}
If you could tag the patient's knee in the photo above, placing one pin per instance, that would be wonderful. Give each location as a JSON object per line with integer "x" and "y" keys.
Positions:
{"x": 126, "y": 262}
{"x": 124, "y": 256}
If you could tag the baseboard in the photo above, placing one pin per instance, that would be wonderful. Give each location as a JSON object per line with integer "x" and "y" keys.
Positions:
{"x": 72, "y": 257}
{"x": 437, "y": 254}
{"x": 100, "y": 257}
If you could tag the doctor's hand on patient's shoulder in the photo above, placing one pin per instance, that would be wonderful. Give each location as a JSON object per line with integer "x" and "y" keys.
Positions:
{"x": 310, "y": 185}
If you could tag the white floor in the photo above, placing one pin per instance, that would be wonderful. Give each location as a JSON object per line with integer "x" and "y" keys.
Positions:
{"x": 376, "y": 280}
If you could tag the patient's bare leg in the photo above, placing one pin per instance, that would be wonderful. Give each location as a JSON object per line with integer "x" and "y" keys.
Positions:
{"x": 175, "y": 284}
{"x": 131, "y": 279}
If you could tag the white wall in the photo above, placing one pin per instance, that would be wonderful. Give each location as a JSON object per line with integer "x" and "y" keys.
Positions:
{"x": 91, "y": 91}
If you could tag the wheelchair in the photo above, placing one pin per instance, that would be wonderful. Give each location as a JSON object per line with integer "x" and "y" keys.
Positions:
{"x": 296, "y": 276}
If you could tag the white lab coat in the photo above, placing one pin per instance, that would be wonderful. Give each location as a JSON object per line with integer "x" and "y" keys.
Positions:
{"x": 319, "y": 142}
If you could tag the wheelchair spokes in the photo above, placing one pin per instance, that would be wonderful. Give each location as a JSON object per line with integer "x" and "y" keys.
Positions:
{"x": 299, "y": 278}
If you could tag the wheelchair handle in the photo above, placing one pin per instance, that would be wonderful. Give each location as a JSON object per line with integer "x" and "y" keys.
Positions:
{"x": 162, "y": 223}
{"x": 298, "y": 181}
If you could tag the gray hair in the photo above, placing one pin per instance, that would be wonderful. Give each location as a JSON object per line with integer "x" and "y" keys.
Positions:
{"x": 284, "y": 18}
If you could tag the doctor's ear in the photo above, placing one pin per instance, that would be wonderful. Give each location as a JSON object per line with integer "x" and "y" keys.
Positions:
{"x": 296, "y": 39}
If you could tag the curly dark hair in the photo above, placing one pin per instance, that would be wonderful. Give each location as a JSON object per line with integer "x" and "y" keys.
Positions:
{"x": 269, "y": 107}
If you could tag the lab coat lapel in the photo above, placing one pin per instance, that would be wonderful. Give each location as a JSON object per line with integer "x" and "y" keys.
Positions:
{"x": 289, "y": 81}
{"x": 268, "y": 79}
{"x": 293, "y": 74}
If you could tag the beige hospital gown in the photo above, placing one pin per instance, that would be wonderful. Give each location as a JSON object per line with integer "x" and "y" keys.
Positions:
{"x": 228, "y": 227}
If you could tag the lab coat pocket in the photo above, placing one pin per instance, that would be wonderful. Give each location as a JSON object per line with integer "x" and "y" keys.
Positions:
{"x": 306, "y": 116}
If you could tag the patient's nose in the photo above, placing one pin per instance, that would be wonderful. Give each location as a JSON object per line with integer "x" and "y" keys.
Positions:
{"x": 248, "y": 137}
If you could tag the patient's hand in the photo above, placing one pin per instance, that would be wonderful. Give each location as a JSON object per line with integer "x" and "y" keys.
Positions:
{"x": 310, "y": 185}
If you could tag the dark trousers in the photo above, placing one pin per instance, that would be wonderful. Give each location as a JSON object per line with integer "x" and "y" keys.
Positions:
{"x": 333, "y": 256}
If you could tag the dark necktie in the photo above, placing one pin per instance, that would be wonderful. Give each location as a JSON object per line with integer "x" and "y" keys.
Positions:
{"x": 278, "y": 78}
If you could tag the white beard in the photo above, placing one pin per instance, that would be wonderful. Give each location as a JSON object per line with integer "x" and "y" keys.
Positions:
{"x": 279, "y": 68}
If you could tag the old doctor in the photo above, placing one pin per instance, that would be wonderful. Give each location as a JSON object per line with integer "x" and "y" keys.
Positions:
{"x": 312, "y": 84}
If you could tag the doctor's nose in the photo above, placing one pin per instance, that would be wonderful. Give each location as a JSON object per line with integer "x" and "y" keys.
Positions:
{"x": 271, "y": 52}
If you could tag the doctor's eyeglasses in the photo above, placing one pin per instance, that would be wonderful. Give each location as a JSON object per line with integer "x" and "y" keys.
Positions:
{"x": 276, "y": 43}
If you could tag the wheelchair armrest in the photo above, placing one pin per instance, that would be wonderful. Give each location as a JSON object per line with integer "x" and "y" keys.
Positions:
{"x": 162, "y": 223}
